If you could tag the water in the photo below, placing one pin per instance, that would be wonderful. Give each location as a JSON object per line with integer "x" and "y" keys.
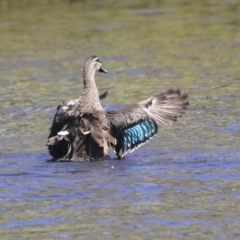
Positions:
{"x": 184, "y": 184}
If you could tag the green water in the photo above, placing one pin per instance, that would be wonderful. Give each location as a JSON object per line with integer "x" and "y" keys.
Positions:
{"x": 184, "y": 184}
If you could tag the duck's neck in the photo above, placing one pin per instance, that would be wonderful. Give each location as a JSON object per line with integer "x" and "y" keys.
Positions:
{"x": 90, "y": 95}
{"x": 88, "y": 79}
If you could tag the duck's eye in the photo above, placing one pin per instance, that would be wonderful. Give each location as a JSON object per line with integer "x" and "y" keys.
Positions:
{"x": 97, "y": 60}
{"x": 98, "y": 65}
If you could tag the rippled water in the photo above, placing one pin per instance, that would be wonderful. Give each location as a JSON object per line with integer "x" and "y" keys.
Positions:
{"x": 184, "y": 184}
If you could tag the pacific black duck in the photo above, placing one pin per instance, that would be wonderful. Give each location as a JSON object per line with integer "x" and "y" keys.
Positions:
{"x": 83, "y": 130}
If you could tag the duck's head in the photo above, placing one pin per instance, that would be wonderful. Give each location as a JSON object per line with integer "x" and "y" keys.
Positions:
{"x": 94, "y": 63}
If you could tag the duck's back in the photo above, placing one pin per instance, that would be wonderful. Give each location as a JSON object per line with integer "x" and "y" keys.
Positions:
{"x": 70, "y": 137}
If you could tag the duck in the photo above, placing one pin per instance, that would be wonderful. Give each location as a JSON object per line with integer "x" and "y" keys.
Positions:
{"x": 83, "y": 130}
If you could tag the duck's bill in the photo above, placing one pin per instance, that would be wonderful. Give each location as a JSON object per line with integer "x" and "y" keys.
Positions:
{"x": 103, "y": 70}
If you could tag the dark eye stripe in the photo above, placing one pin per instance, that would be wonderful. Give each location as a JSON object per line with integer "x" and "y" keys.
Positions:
{"x": 97, "y": 60}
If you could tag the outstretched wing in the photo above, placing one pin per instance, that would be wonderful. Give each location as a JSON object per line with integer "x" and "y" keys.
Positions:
{"x": 135, "y": 125}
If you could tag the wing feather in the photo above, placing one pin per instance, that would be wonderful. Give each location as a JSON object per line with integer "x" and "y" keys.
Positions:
{"x": 134, "y": 125}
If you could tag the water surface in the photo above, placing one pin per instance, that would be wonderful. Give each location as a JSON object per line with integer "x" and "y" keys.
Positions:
{"x": 184, "y": 184}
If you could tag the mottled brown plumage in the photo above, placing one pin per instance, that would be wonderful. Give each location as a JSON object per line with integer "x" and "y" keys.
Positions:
{"x": 83, "y": 130}
{"x": 80, "y": 129}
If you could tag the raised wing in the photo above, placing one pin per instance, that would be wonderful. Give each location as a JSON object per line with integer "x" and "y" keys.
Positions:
{"x": 135, "y": 125}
